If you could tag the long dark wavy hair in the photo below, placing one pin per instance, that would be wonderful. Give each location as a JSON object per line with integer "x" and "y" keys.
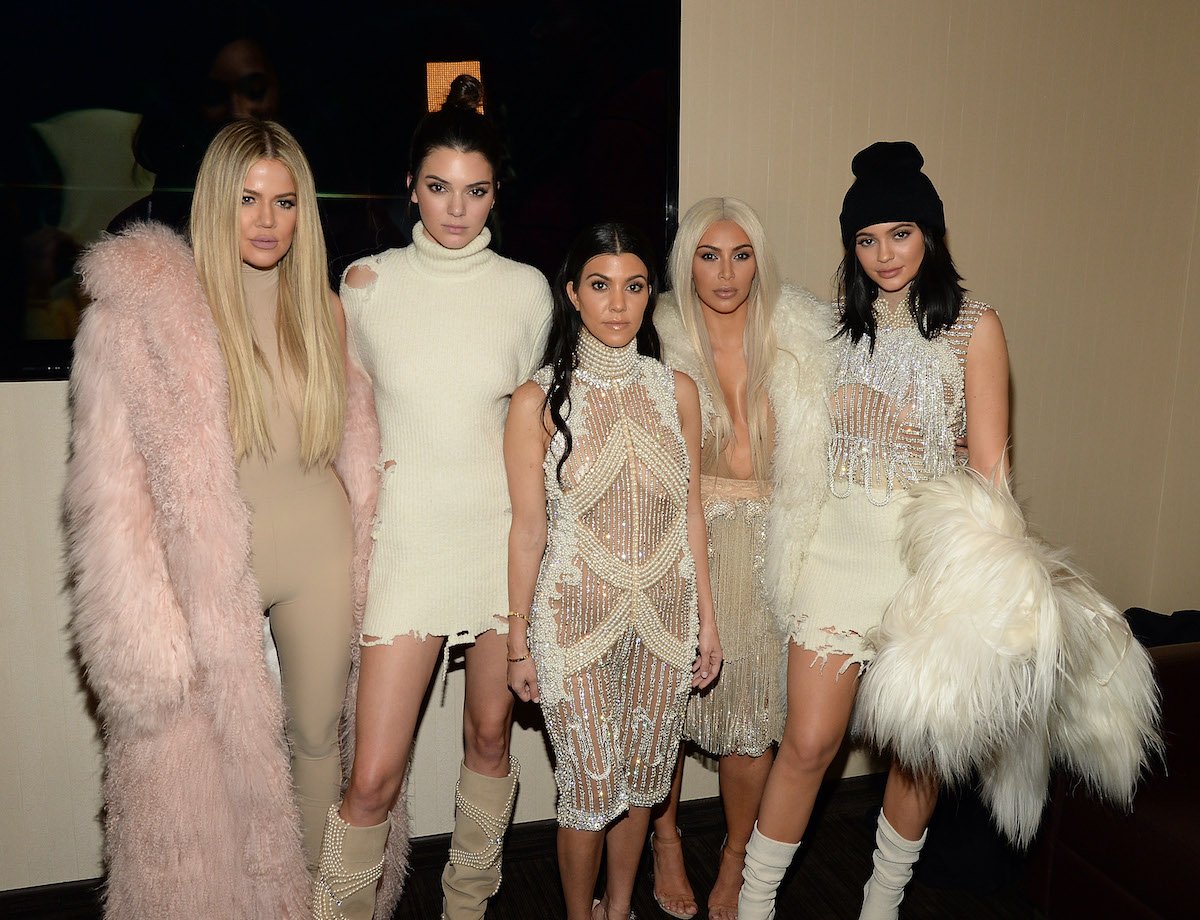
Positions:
{"x": 935, "y": 297}
{"x": 562, "y": 344}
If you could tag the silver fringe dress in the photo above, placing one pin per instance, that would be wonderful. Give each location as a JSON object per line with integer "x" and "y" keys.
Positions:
{"x": 743, "y": 712}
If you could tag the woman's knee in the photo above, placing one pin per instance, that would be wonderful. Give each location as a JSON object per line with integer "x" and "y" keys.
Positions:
{"x": 808, "y": 750}
{"x": 374, "y": 787}
{"x": 487, "y": 741}
{"x": 313, "y": 738}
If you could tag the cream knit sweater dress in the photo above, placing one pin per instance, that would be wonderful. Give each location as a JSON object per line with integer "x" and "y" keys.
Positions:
{"x": 446, "y": 336}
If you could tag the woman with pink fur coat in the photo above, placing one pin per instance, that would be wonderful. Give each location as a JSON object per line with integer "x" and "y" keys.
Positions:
{"x": 222, "y": 467}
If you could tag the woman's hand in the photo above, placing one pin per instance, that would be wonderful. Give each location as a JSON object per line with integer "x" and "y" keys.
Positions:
{"x": 707, "y": 665}
{"x": 522, "y": 680}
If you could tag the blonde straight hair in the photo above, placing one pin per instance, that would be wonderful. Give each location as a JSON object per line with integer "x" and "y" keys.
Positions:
{"x": 309, "y": 341}
{"x": 759, "y": 340}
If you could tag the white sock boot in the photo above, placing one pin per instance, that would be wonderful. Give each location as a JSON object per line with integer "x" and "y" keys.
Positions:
{"x": 766, "y": 862}
{"x": 894, "y": 858}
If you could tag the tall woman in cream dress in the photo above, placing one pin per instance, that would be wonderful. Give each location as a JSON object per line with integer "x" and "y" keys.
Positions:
{"x": 756, "y": 349}
{"x": 447, "y": 330}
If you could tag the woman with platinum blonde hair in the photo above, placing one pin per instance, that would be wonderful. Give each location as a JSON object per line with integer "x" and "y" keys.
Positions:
{"x": 756, "y": 348}
{"x": 221, "y": 470}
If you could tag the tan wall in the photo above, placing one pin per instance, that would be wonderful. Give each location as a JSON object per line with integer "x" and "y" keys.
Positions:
{"x": 50, "y": 757}
{"x": 1065, "y": 139}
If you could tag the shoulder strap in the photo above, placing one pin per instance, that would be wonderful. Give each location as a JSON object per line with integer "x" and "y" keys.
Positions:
{"x": 959, "y": 335}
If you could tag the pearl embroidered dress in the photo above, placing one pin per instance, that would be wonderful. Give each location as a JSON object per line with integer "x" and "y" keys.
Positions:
{"x": 614, "y": 619}
{"x": 897, "y": 412}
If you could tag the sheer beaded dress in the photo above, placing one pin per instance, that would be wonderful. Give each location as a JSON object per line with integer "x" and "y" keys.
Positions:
{"x": 898, "y": 408}
{"x": 614, "y": 620}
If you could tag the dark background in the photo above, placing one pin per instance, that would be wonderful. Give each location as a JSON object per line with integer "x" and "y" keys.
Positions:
{"x": 586, "y": 94}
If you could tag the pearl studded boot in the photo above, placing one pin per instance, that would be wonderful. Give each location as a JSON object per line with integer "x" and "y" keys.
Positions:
{"x": 482, "y": 808}
{"x": 350, "y": 867}
{"x": 767, "y": 861}
{"x": 894, "y": 857}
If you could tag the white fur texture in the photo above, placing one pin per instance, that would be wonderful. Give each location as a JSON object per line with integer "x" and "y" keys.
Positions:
{"x": 997, "y": 657}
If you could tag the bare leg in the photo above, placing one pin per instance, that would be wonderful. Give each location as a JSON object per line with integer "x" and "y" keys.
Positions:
{"x": 487, "y": 784}
{"x": 908, "y": 801}
{"x": 487, "y": 713}
{"x": 743, "y": 779}
{"x": 578, "y": 866}
{"x": 624, "y": 838}
{"x": 391, "y": 685}
{"x": 672, "y": 890}
{"x": 819, "y": 705}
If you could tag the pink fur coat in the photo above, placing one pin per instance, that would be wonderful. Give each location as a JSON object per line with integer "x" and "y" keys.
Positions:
{"x": 200, "y": 819}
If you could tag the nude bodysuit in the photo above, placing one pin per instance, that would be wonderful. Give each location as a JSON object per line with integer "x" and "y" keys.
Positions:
{"x": 302, "y": 545}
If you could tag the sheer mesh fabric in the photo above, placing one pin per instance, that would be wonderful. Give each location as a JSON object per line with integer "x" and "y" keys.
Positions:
{"x": 614, "y": 618}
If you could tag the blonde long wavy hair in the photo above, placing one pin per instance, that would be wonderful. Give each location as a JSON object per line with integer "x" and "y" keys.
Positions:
{"x": 309, "y": 342}
{"x": 759, "y": 340}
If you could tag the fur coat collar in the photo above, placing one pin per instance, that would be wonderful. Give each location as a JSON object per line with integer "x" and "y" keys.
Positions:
{"x": 200, "y": 819}
{"x": 803, "y": 328}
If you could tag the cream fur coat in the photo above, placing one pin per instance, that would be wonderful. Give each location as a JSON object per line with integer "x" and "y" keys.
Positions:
{"x": 803, "y": 327}
{"x": 200, "y": 820}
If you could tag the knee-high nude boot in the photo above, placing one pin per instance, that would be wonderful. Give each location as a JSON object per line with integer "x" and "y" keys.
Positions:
{"x": 482, "y": 808}
{"x": 350, "y": 868}
{"x": 894, "y": 858}
{"x": 766, "y": 862}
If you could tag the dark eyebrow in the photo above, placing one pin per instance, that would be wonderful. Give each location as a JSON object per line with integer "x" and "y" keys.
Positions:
{"x": 894, "y": 227}
{"x": 636, "y": 277}
{"x": 717, "y": 248}
{"x": 429, "y": 176}
{"x": 598, "y": 275}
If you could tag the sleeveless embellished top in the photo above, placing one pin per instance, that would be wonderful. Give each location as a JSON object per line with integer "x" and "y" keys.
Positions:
{"x": 899, "y": 410}
{"x": 617, "y": 556}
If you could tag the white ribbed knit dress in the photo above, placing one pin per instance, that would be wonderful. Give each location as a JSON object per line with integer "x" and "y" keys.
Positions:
{"x": 446, "y": 336}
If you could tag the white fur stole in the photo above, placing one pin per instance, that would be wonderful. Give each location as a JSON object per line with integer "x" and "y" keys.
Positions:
{"x": 998, "y": 657}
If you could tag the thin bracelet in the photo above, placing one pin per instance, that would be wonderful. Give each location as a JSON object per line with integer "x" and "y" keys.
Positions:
{"x": 519, "y": 616}
{"x": 515, "y": 660}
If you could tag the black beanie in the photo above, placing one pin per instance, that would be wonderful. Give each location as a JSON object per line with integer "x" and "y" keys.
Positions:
{"x": 889, "y": 186}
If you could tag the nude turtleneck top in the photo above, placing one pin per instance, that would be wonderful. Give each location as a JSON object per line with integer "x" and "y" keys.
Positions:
{"x": 263, "y": 477}
{"x": 446, "y": 336}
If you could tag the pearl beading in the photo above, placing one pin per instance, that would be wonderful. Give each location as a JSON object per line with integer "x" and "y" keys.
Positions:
{"x": 614, "y": 615}
{"x": 335, "y": 882}
{"x": 493, "y": 827}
